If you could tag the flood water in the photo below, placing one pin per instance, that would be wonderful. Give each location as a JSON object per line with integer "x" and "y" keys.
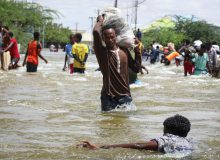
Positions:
{"x": 44, "y": 115}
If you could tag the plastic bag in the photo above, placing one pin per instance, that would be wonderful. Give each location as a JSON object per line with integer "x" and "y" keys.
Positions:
{"x": 125, "y": 35}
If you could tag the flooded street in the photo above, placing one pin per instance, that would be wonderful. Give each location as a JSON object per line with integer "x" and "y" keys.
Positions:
{"x": 45, "y": 114}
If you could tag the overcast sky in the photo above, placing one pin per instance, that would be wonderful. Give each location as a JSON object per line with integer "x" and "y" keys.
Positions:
{"x": 79, "y": 11}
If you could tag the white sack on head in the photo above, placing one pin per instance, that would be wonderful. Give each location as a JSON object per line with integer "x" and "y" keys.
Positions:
{"x": 112, "y": 18}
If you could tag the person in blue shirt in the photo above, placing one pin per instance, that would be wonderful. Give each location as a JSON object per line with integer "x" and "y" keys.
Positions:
{"x": 154, "y": 54}
{"x": 139, "y": 34}
{"x": 69, "y": 57}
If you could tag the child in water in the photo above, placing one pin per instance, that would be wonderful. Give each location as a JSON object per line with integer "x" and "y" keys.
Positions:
{"x": 188, "y": 61}
{"x": 173, "y": 140}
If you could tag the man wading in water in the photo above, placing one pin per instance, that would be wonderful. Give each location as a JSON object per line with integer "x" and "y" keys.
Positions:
{"x": 114, "y": 63}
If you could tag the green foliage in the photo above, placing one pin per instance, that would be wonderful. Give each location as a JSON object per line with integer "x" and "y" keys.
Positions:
{"x": 23, "y": 18}
{"x": 195, "y": 30}
{"x": 163, "y": 36}
{"x": 56, "y": 34}
{"x": 184, "y": 28}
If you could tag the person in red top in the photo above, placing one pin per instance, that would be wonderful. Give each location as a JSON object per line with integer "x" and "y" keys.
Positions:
{"x": 33, "y": 51}
{"x": 13, "y": 49}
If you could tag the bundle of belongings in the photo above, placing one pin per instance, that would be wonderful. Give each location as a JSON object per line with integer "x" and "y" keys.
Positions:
{"x": 125, "y": 35}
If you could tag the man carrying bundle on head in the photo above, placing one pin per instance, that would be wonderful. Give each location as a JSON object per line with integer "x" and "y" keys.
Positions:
{"x": 114, "y": 62}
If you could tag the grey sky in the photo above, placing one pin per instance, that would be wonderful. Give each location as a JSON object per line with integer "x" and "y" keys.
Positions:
{"x": 79, "y": 11}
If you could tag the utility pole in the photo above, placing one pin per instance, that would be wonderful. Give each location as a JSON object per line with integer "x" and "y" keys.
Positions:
{"x": 127, "y": 15}
{"x": 92, "y": 20}
{"x": 43, "y": 41}
{"x": 98, "y": 12}
{"x": 76, "y": 27}
{"x": 116, "y": 3}
{"x": 136, "y": 9}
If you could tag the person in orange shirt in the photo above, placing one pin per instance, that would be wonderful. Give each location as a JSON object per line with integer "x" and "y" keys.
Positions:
{"x": 33, "y": 51}
{"x": 172, "y": 54}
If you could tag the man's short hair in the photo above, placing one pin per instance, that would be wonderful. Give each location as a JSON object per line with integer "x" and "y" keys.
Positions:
{"x": 203, "y": 46}
{"x": 36, "y": 35}
{"x": 106, "y": 27}
{"x": 71, "y": 36}
{"x": 78, "y": 36}
{"x": 177, "y": 125}
{"x": 10, "y": 34}
{"x": 208, "y": 45}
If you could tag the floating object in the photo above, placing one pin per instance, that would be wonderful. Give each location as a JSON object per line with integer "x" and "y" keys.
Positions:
{"x": 6, "y": 60}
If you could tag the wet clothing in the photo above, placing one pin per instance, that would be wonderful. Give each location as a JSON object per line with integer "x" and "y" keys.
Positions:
{"x": 31, "y": 67}
{"x": 139, "y": 34}
{"x": 68, "y": 49}
{"x": 81, "y": 51}
{"x": 174, "y": 144}
{"x": 114, "y": 67}
{"x": 212, "y": 60}
{"x": 14, "y": 61}
{"x": 14, "y": 49}
{"x": 132, "y": 75}
{"x": 188, "y": 63}
{"x": 201, "y": 64}
{"x": 6, "y": 41}
{"x": 172, "y": 55}
{"x": 34, "y": 47}
{"x": 154, "y": 55}
{"x": 109, "y": 103}
{"x": 79, "y": 70}
{"x": 1, "y": 41}
{"x": 188, "y": 67}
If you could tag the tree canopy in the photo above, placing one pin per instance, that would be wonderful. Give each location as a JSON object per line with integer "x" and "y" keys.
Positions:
{"x": 184, "y": 28}
{"x": 23, "y": 18}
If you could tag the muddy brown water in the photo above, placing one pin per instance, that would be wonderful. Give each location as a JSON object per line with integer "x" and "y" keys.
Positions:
{"x": 44, "y": 115}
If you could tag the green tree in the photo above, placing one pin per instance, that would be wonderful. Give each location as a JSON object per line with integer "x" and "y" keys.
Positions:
{"x": 184, "y": 28}
{"x": 23, "y": 18}
{"x": 197, "y": 29}
{"x": 163, "y": 36}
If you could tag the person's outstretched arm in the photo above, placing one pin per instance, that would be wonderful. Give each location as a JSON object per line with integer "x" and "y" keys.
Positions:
{"x": 134, "y": 64}
{"x": 150, "y": 145}
{"x": 9, "y": 46}
{"x": 76, "y": 57}
{"x": 97, "y": 39}
{"x": 25, "y": 57}
{"x": 39, "y": 54}
{"x": 65, "y": 60}
{"x": 85, "y": 58}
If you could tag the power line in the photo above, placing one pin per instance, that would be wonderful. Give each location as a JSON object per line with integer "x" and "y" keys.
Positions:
{"x": 141, "y": 2}
{"x": 133, "y": 6}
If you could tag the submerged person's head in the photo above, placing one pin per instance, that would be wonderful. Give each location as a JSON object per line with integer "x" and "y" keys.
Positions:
{"x": 36, "y": 35}
{"x": 109, "y": 37}
{"x": 177, "y": 125}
